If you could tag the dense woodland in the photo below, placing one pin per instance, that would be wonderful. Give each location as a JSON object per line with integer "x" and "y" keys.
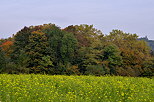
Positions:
{"x": 76, "y": 49}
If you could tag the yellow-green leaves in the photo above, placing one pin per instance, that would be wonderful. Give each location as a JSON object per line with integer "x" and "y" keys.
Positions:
{"x": 45, "y": 88}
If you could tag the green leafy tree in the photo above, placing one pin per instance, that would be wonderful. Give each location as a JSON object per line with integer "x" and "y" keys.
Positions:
{"x": 2, "y": 60}
{"x": 36, "y": 50}
{"x": 111, "y": 54}
{"x": 62, "y": 44}
{"x": 88, "y": 45}
{"x": 69, "y": 45}
{"x": 22, "y": 63}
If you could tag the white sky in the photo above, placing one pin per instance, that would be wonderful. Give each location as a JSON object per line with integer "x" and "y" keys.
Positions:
{"x": 132, "y": 16}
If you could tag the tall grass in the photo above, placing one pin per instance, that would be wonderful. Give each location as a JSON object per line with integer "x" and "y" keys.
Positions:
{"x": 45, "y": 88}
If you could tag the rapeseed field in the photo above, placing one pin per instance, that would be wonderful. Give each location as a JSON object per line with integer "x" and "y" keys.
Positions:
{"x": 59, "y": 88}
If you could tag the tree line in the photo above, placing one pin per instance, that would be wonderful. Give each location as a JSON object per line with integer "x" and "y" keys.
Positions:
{"x": 150, "y": 42}
{"x": 76, "y": 49}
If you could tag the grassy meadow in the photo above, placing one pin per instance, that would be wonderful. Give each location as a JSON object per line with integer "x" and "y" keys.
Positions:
{"x": 58, "y": 88}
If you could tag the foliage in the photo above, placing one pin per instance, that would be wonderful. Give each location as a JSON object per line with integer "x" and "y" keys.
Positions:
{"x": 2, "y": 60}
{"x": 134, "y": 53}
{"x": 85, "y": 34}
{"x": 36, "y": 50}
{"x": 95, "y": 70}
{"x": 111, "y": 54}
{"x": 76, "y": 49}
{"x": 88, "y": 42}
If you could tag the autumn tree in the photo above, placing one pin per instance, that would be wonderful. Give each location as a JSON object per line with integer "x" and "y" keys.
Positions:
{"x": 28, "y": 44}
{"x": 47, "y": 47}
{"x": 36, "y": 49}
{"x": 6, "y": 46}
{"x": 77, "y": 49}
{"x": 85, "y": 34}
{"x": 134, "y": 52}
{"x": 88, "y": 42}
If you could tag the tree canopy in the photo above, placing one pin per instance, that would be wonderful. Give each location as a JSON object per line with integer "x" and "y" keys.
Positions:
{"x": 76, "y": 49}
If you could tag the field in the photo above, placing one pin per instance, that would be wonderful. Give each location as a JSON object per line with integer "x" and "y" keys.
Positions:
{"x": 46, "y": 88}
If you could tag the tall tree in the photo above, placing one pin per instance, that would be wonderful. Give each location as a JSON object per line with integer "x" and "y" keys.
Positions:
{"x": 36, "y": 49}
{"x": 62, "y": 44}
{"x": 134, "y": 52}
{"x": 88, "y": 45}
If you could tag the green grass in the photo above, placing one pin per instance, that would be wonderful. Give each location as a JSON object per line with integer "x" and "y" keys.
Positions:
{"x": 45, "y": 88}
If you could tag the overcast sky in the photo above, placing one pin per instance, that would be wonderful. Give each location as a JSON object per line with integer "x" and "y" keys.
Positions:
{"x": 132, "y": 16}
